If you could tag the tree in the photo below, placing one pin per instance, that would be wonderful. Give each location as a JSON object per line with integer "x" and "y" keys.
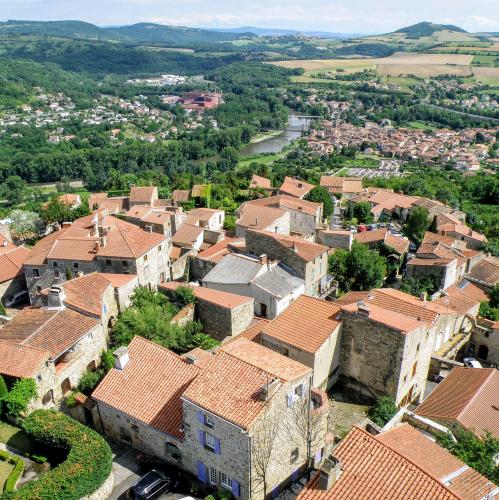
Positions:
{"x": 13, "y": 189}
{"x": 185, "y": 295}
{"x": 383, "y": 411}
{"x": 417, "y": 224}
{"x": 473, "y": 451}
{"x": 25, "y": 226}
{"x": 359, "y": 269}
{"x": 3, "y": 392}
{"x": 362, "y": 212}
{"x": 321, "y": 195}
{"x": 494, "y": 296}
{"x": 418, "y": 286}
{"x": 263, "y": 448}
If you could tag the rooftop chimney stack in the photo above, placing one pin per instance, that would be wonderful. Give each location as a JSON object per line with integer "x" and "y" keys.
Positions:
{"x": 190, "y": 359}
{"x": 363, "y": 309}
{"x": 121, "y": 358}
{"x": 263, "y": 259}
{"x": 329, "y": 473}
{"x": 56, "y": 298}
{"x": 257, "y": 220}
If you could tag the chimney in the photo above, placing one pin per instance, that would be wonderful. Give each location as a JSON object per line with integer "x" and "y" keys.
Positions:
{"x": 190, "y": 359}
{"x": 148, "y": 228}
{"x": 267, "y": 390}
{"x": 263, "y": 259}
{"x": 102, "y": 241}
{"x": 257, "y": 220}
{"x": 67, "y": 224}
{"x": 4, "y": 243}
{"x": 295, "y": 248}
{"x": 96, "y": 246}
{"x": 329, "y": 473}
{"x": 56, "y": 297}
{"x": 121, "y": 358}
{"x": 422, "y": 296}
{"x": 362, "y": 308}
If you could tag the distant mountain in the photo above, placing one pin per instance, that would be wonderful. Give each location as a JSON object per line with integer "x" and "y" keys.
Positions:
{"x": 175, "y": 35}
{"x": 283, "y": 32}
{"x": 426, "y": 28}
{"x": 71, "y": 29}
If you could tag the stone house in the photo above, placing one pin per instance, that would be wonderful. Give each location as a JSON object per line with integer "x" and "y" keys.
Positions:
{"x": 466, "y": 398}
{"x": 98, "y": 242}
{"x": 222, "y": 314}
{"x": 189, "y": 236}
{"x": 12, "y": 278}
{"x": 161, "y": 220}
{"x": 342, "y": 187}
{"x": 259, "y": 182}
{"x": 308, "y": 331}
{"x": 250, "y": 216}
{"x": 461, "y": 232}
{"x": 146, "y": 195}
{"x": 304, "y": 215}
{"x": 484, "y": 341}
{"x": 62, "y": 341}
{"x": 335, "y": 238}
{"x": 208, "y": 218}
{"x": 208, "y": 413}
{"x": 272, "y": 285}
{"x": 485, "y": 274}
{"x": 307, "y": 259}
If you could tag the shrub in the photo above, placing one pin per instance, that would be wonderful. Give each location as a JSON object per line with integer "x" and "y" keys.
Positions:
{"x": 17, "y": 400}
{"x": 107, "y": 360}
{"x": 89, "y": 380}
{"x": 88, "y": 463}
{"x": 185, "y": 295}
{"x": 383, "y": 411}
{"x": 3, "y": 312}
{"x": 3, "y": 393}
{"x": 18, "y": 463}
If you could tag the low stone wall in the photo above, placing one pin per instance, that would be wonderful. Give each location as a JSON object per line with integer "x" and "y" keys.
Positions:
{"x": 104, "y": 491}
{"x": 184, "y": 316}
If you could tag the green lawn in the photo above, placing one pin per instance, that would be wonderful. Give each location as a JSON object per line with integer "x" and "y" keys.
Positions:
{"x": 264, "y": 159}
{"x": 14, "y": 437}
{"x": 5, "y": 470}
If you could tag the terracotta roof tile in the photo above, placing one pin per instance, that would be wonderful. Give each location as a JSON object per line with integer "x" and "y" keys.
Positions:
{"x": 286, "y": 202}
{"x": 11, "y": 262}
{"x": 202, "y": 357}
{"x": 230, "y": 388}
{"x": 87, "y": 293}
{"x": 146, "y": 194}
{"x": 187, "y": 234}
{"x": 306, "y": 324}
{"x": 254, "y": 330}
{"x": 258, "y": 217}
{"x": 437, "y": 461}
{"x": 371, "y": 470}
{"x": 21, "y": 361}
{"x": 266, "y": 359}
{"x": 307, "y": 250}
{"x": 217, "y": 297}
{"x": 181, "y": 195}
{"x": 469, "y": 396}
{"x": 118, "y": 280}
{"x": 486, "y": 271}
{"x": 295, "y": 187}
{"x": 341, "y": 185}
{"x": 150, "y": 386}
{"x": 258, "y": 181}
{"x": 219, "y": 250}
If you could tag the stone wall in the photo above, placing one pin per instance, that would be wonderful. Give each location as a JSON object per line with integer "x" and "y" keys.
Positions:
{"x": 184, "y": 316}
{"x": 9, "y": 288}
{"x": 221, "y": 322}
{"x": 199, "y": 268}
{"x": 447, "y": 275}
{"x": 485, "y": 340}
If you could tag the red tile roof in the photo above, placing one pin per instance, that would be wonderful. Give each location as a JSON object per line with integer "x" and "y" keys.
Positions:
{"x": 372, "y": 470}
{"x": 437, "y": 461}
{"x": 219, "y": 250}
{"x": 11, "y": 261}
{"x": 150, "y": 386}
{"x": 307, "y": 250}
{"x": 217, "y": 297}
{"x": 295, "y": 187}
{"x": 258, "y": 217}
{"x": 258, "y": 181}
{"x": 87, "y": 293}
{"x": 268, "y": 360}
{"x": 341, "y": 185}
{"x": 144, "y": 194}
{"x": 469, "y": 396}
{"x": 21, "y": 361}
{"x": 306, "y": 324}
{"x": 187, "y": 235}
{"x": 230, "y": 388}
{"x": 286, "y": 202}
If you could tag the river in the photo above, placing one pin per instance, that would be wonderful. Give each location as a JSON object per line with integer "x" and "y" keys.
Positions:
{"x": 276, "y": 143}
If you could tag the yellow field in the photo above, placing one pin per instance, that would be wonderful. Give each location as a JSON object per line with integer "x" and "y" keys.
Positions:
{"x": 487, "y": 75}
{"x": 400, "y": 63}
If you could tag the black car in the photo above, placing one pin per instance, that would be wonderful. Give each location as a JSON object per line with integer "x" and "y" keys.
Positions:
{"x": 151, "y": 485}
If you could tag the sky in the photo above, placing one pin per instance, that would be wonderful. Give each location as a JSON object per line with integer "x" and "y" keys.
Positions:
{"x": 340, "y": 16}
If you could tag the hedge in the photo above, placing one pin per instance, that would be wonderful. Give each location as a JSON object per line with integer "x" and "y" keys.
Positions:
{"x": 88, "y": 463}
{"x": 16, "y": 473}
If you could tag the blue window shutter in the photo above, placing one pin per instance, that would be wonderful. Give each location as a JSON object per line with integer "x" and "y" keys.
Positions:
{"x": 217, "y": 446}
{"x": 202, "y": 472}
{"x": 202, "y": 441}
{"x": 236, "y": 489}
{"x": 294, "y": 474}
{"x": 289, "y": 399}
{"x": 201, "y": 417}
{"x": 275, "y": 492}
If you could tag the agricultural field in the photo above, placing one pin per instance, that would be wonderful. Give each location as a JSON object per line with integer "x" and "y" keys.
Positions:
{"x": 487, "y": 75}
{"x": 398, "y": 64}
{"x": 485, "y": 60}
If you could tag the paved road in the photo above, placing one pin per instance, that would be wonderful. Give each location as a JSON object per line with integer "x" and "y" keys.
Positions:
{"x": 125, "y": 471}
{"x": 471, "y": 115}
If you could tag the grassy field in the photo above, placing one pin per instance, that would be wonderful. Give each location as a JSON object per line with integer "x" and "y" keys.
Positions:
{"x": 263, "y": 159}
{"x": 397, "y": 65}
{"x": 485, "y": 60}
{"x": 489, "y": 76}
{"x": 5, "y": 470}
{"x": 14, "y": 437}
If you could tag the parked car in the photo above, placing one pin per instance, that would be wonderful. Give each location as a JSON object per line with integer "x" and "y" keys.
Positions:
{"x": 472, "y": 363}
{"x": 17, "y": 298}
{"x": 361, "y": 228}
{"x": 372, "y": 227}
{"x": 152, "y": 484}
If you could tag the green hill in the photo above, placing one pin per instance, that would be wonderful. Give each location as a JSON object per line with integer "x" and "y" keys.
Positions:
{"x": 427, "y": 29}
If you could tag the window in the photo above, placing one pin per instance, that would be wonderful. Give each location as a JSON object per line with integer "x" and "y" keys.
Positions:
{"x": 225, "y": 481}
{"x": 414, "y": 368}
{"x": 294, "y": 456}
{"x": 208, "y": 421}
{"x": 57, "y": 274}
{"x": 145, "y": 258}
{"x": 213, "y": 476}
{"x": 47, "y": 398}
{"x": 124, "y": 263}
{"x": 417, "y": 348}
{"x": 39, "y": 378}
{"x": 108, "y": 262}
{"x": 209, "y": 441}
{"x": 38, "y": 289}
{"x": 299, "y": 390}
{"x": 55, "y": 264}
{"x": 76, "y": 265}
{"x": 92, "y": 366}
{"x": 286, "y": 352}
{"x": 159, "y": 248}
{"x": 36, "y": 273}
{"x": 66, "y": 386}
